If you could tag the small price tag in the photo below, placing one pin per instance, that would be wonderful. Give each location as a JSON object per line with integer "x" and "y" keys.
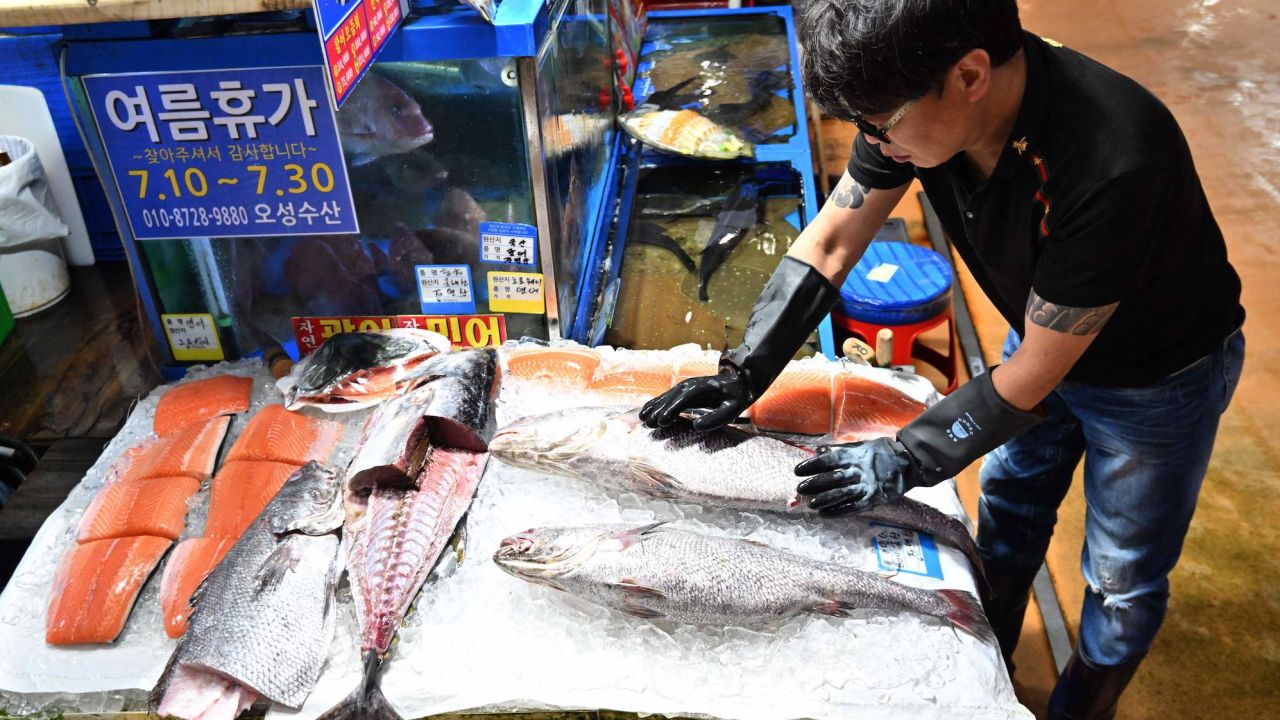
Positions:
{"x": 906, "y": 551}
{"x": 883, "y": 272}
{"x": 516, "y": 292}
{"x": 508, "y": 243}
{"x": 445, "y": 289}
{"x": 192, "y": 337}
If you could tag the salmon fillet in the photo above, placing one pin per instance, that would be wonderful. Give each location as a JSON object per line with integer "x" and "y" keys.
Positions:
{"x": 866, "y": 409}
{"x": 153, "y": 506}
{"x": 279, "y": 435}
{"x": 95, "y": 587}
{"x": 240, "y": 491}
{"x": 190, "y": 451}
{"x": 191, "y": 562}
{"x": 696, "y": 367}
{"x": 562, "y": 366}
{"x": 201, "y": 400}
{"x": 799, "y": 401}
{"x": 647, "y": 380}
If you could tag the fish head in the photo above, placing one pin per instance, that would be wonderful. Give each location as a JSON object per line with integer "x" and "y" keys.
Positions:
{"x": 551, "y": 440}
{"x": 310, "y": 502}
{"x": 543, "y": 554}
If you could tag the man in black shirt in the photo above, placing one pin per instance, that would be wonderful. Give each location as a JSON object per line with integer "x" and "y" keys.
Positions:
{"x": 1071, "y": 194}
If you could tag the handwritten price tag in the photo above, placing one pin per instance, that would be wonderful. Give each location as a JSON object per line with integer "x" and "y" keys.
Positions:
{"x": 192, "y": 337}
{"x": 516, "y": 292}
{"x": 445, "y": 289}
{"x": 508, "y": 243}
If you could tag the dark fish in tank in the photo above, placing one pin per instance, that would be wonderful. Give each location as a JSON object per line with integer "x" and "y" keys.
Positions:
{"x": 647, "y": 233}
{"x": 741, "y": 211}
{"x": 666, "y": 98}
{"x": 449, "y": 246}
{"x": 763, "y": 88}
{"x": 380, "y": 119}
{"x": 459, "y": 211}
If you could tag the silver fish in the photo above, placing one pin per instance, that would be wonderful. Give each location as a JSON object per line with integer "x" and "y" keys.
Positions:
{"x": 652, "y": 571}
{"x": 731, "y": 467}
{"x": 390, "y": 551}
{"x": 264, "y": 618}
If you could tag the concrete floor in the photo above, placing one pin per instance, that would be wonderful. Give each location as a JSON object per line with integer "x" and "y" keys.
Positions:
{"x": 1216, "y": 64}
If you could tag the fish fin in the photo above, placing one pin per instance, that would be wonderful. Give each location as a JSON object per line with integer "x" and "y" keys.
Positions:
{"x": 460, "y": 538}
{"x": 367, "y": 701}
{"x": 832, "y": 608}
{"x": 631, "y": 606}
{"x": 634, "y": 588}
{"x": 654, "y": 481}
{"x": 630, "y": 536}
{"x": 273, "y": 569}
{"x": 965, "y": 613}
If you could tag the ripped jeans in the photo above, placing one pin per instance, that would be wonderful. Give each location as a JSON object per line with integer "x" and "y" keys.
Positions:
{"x": 1145, "y": 454}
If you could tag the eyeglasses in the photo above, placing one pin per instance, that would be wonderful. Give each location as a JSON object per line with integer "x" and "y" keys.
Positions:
{"x": 881, "y": 132}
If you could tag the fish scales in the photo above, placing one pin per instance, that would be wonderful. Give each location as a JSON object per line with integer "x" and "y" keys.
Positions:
{"x": 654, "y": 571}
{"x": 730, "y": 467}
{"x": 263, "y": 619}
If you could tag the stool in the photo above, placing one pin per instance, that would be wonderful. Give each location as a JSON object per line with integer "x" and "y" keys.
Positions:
{"x": 907, "y": 289}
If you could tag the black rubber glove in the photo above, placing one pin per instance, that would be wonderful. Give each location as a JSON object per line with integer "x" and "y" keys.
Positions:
{"x": 792, "y": 303}
{"x": 944, "y": 440}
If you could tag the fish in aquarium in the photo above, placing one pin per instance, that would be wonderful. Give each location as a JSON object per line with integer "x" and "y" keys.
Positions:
{"x": 764, "y": 86}
{"x": 458, "y": 210}
{"x": 740, "y": 213}
{"x": 332, "y": 277}
{"x": 647, "y": 233}
{"x": 688, "y": 133}
{"x": 380, "y": 119}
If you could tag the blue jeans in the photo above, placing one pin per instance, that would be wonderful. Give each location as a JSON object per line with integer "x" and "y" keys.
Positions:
{"x": 1145, "y": 454}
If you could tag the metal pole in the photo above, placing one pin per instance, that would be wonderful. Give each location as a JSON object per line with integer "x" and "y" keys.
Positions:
{"x": 527, "y": 69}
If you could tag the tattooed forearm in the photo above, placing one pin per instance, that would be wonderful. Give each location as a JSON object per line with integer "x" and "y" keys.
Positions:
{"x": 1072, "y": 320}
{"x": 849, "y": 194}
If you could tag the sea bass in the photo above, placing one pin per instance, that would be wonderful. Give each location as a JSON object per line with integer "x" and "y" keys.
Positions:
{"x": 355, "y": 370}
{"x": 380, "y": 119}
{"x": 653, "y": 571}
{"x": 264, "y": 618}
{"x": 390, "y": 551}
{"x": 729, "y": 467}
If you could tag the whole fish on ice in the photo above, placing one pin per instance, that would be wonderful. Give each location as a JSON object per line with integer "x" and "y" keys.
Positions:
{"x": 653, "y": 571}
{"x": 727, "y": 467}
{"x": 264, "y": 618}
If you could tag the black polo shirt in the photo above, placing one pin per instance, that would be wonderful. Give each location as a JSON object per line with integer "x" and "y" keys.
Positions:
{"x": 1094, "y": 200}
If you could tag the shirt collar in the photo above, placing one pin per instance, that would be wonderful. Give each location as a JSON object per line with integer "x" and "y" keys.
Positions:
{"x": 1028, "y": 128}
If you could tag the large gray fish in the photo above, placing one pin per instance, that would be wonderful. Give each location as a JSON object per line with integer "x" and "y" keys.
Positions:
{"x": 264, "y": 618}
{"x": 390, "y": 551}
{"x": 448, "y": 408}
{"x": 653, "y": 571}
{"x": 740, "y": 213}
{"x": 358, "y": 369}
{"x": 730, "y": 467}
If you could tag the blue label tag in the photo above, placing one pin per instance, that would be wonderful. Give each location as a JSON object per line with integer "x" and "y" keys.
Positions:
{"x": 508, "y": 243}
{"x": 224, "y": 153}
{"x": 445, "y": 289}
{"x": 906, "y": 551}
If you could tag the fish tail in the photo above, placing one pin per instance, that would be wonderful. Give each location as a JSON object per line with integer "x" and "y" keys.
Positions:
{"x": 964, "y": 612}
{"x": 367, "y": 701}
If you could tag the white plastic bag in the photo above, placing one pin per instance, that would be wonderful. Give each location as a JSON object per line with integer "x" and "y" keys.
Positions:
{"x": 33, "y": 271}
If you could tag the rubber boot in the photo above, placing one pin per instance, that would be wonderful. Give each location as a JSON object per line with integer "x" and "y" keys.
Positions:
{"x": 1010, "y": 592}
{"x": 1089, "y": 692}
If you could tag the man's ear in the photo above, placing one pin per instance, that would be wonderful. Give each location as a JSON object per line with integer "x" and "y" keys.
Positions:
{"x": 971, "y": 76}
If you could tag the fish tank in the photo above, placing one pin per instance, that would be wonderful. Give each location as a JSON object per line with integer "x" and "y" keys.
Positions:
{"x": 460, "y": 134}
{"x": 700, "y": 245}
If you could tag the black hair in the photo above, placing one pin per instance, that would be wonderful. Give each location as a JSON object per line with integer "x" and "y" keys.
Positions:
{"x": 866, "y": 57}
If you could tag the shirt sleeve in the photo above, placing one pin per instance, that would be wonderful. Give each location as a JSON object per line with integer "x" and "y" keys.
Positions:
{"x": 1096, "y": 249}
{"x": 872, "y": 169}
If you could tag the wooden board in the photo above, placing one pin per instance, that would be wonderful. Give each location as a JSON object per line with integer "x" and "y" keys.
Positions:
{"x": 19, "y": 13}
